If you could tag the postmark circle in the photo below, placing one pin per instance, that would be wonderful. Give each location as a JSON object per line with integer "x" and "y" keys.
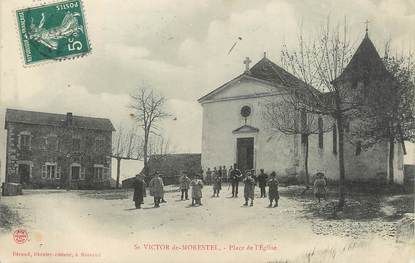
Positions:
{"x": 20, "y": 236}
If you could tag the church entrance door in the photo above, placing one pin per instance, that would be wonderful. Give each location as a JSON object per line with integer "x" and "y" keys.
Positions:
{"x": 245, "y": 153}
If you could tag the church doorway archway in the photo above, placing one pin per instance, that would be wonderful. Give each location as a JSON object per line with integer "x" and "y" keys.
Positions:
{"x": 245, "y": 153}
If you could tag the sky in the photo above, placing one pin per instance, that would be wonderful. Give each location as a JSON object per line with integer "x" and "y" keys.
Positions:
{"x": 179, "y": 48}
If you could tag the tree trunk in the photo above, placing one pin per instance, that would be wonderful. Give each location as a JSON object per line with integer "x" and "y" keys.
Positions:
{"x": 341, "y": 162}
{"x": 117, "y": 185}
{"x": 391, "y": 158}
{"x": 307, "y": 176}
{"x": 145, "y": 154}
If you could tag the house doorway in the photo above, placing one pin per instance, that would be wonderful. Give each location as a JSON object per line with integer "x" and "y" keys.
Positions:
{"x": 75, "y": 173}
{"x": 24, "y": 173}
{"x": 245, "y": 153}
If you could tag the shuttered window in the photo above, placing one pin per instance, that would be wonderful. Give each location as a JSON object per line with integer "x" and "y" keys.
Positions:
{"x": 320, "y": 133}
{"x": 334, "y": 139}
{"x": 358, "y": 147}
{"x": 58, "y": 172}
{"x": 44, "y": 172}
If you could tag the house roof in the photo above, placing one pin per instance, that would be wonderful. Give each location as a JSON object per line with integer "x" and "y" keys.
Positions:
{"x": 366, "y": 64}
{"x": 53, "y": 119}
{"x": 270, "y": 73}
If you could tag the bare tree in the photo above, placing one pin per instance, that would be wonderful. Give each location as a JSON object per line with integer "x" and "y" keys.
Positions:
{"x": 149, "y": 110}
{"x": 319, "y": 63}
{"x": 283, "y": 117}
{"x": 159, "y": 147}
{"x": 127, "y": 145}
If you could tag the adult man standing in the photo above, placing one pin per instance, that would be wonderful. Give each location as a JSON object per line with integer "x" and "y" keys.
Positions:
{"x": 262, "y": 182}
{"x": 184, "y": 185}
{"x": 156, "y": 189}
{"x": 139, "y": 191}
{"x": 235, "y": 176}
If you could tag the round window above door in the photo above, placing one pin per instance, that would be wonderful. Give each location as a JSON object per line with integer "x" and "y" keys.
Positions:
{"x": 245, "y": 111}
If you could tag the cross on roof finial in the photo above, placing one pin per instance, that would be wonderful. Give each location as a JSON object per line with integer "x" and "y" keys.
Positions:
{"x": 367, "y": 26}
{"x": 246, "y": 62}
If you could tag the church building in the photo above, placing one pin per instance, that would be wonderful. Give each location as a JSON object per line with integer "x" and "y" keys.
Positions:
{"x": 235, "y": 131}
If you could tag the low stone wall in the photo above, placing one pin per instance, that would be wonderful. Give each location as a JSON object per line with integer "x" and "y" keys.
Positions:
{"x": 11, "y": 189}
{"x": 405, "y": 229}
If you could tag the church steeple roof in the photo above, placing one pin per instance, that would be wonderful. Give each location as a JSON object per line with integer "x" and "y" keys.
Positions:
{"x": 365, "y": 65}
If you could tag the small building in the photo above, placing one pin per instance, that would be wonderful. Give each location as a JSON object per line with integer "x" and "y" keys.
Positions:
{"x": 47, "y": 150}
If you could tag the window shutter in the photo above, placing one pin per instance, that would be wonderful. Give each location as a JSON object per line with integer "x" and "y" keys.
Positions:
{"x": 58, "y": 172}
{"x": 334, "y": 139}
{"x": 44, "y": 172}
{"x": 83, "y": 173}
{"x": 320, "y": 133}
{"x": 106, "y": 173}
{"x": 358, "y": 147}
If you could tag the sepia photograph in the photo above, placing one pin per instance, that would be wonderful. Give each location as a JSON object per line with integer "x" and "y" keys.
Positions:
{"x": 275, "y": 131}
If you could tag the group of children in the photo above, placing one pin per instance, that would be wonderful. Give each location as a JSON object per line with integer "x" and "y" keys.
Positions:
{"x": 221, "y": 172}
{"x": 196, "y": 185}
{"x": 249, "y": 181}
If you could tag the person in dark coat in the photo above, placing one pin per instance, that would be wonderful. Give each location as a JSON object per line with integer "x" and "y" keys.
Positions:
{"x": 139, "y": 191}
{"x": 249, "y": 188}
{"x": 234, "y": 177}
{"x": 184, "y": 185}
{"x": 262, "y": 182}
{"x": 273, "y": 194}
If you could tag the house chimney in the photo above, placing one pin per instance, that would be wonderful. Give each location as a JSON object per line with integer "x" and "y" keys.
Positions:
{"x": 69, "y": 118}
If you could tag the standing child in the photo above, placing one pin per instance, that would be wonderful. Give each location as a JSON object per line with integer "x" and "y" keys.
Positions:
{"x": 197, "y": 186}
{"x": 217, "y": 183}
{"x": 320, "y": 187}
{"x": 156, "y": 189}
{"x": 224, "y": 174}
{"x": 208, "y": 176}
{"x": 273, "y": 194}
{"x": 249, "y": 188}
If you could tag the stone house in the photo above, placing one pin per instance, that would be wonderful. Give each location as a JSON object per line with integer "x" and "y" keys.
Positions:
{"x": 57, "y": 150}
{"x": 235, "y": 131}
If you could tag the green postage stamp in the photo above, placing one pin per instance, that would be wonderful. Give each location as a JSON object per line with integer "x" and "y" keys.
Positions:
{"x": 53, "y": 32}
